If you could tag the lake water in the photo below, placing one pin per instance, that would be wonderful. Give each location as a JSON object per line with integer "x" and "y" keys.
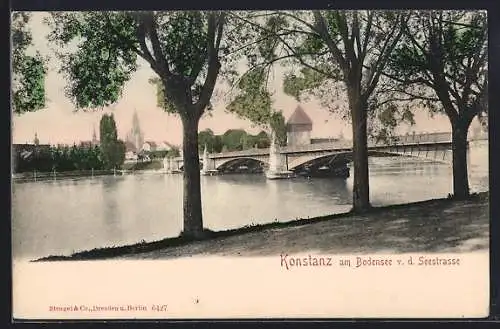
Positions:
{"x": 64, "y": 216}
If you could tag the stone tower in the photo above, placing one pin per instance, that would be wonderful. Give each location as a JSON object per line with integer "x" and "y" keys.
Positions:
{"x": 298, "y": 128}
{"x": 36, "y": 141}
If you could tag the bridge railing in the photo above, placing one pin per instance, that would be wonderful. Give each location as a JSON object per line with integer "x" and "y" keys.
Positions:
{"x": 440, "y": 137}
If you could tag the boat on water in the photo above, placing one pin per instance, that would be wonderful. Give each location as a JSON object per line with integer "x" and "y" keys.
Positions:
{"x": 325, "y": 171}
{"x": 212, "y": 172}
{"x": 280, "y": 174}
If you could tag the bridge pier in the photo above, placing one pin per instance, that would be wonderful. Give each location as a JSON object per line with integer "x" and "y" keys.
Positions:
{"x": 278, "y": 163}
{"x": 166, "y": 165}
{"x": 170, "y": 166}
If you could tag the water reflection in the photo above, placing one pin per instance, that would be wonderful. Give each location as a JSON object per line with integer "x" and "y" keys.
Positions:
{"x": 59, "y": 217}
{"x": 111, "y": 215}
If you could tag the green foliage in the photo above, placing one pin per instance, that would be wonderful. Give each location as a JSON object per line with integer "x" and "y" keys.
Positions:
{"x": 206, "y": 139}
{"x": 183, "y": 38}
{"x": 174, "y": 152}
{"x": 161, "y": 101}
{"x": 442, "y": 63}
{"x": 307, "y": 81}
{"x": 104, "y": 59}
{"x": 278, "y": 125}
{"x": 232, "y": 140}
{"x": 60, "y": 159}
{"x": 28, "y": 85}
{"x": 217, "y": 144}
{"x": 112, "y": 149}
{"x": 119, "y": 150}
{"x": 254, "y": 101}
{"x": 328, "y": 54}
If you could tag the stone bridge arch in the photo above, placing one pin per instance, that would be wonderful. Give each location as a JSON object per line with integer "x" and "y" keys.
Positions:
{"x": 296, "y": 162}
{"x": 440, "y": 156}
{"x": 220, "y": 164}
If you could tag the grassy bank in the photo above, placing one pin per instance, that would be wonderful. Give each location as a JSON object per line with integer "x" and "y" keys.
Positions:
{"x": 432, "y": 225}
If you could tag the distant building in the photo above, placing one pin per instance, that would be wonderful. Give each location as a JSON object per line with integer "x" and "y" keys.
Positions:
{"x": 298, "y": 128}
{"x": 90, "y": 143}
{"x": 164, "y": 146}
{"x": 149, "y": 146}
{"x": 130, "y": 151}
{"x": 130, "y": 147}
{"x": 135, "y": 135}
{"x": 87, "y": 144}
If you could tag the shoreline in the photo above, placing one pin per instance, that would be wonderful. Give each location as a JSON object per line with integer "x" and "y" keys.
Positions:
{"x": 163, "y": 246}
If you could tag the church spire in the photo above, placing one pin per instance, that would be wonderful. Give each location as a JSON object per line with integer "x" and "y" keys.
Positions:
{"x": 35, "y": 140}
{"x": 94, "y": 136}
{"x": 135, "y": 136}
{"x": 136, "y": 127}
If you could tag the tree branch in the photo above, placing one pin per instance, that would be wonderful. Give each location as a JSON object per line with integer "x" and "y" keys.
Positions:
{"x": 367, "y": 37}
{"x": 151, "y": 29}
{"x": 145, "y": 53}
{"x": 355, "y": 34}
{"x": 323, "y": 32}
{"x": 309, "y": 25}
{"x": 213, "y": 63}
{"x": 344, "y": 34}
{"x": 291, "y": 51}
{"x": 386, "y": 51}
{"x": 220, "y": 28}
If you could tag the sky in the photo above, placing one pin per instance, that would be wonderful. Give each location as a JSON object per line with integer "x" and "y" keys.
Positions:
{"x": 59, "y": 122}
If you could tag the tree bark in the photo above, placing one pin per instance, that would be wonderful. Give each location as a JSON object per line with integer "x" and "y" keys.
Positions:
{"x": 361, "y": 186}
{"x": 459, "y": 149}
{"x": 193, "y": 219}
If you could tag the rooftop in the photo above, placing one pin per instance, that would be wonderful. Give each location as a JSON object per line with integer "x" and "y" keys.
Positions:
{"x": 299, "y": 117}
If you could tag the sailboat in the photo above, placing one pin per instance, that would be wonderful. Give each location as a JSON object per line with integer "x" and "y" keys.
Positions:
{"x": 205, "y": 171}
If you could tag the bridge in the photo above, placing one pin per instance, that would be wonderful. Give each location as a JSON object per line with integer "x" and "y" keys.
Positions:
{"x": 331, "y": 155}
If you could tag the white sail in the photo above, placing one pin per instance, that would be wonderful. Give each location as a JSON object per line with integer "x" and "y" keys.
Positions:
{"x": 273, "y": 161}
{"x": 205, "y": 161}
{"x": 277, "y": 167}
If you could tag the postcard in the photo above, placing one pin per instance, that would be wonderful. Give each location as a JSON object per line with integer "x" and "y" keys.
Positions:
{"x": 250, "y": 164}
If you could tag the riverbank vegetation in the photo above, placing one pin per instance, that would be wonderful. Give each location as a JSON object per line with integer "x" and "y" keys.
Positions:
{"x": 428, "y": 226}
{"x": 59, "y": 158}
{"x": 112, "y": 150}
{"x": 233, "y": 140}
{"x": 108, "y": 155}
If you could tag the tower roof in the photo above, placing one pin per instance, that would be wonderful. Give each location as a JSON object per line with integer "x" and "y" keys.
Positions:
{"x": 299, "y": 117}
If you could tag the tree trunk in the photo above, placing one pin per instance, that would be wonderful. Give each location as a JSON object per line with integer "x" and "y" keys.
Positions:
{"x": 361, "y": 186}
{"x": 459, "y": 149}
{"x": 193, "y": 219}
